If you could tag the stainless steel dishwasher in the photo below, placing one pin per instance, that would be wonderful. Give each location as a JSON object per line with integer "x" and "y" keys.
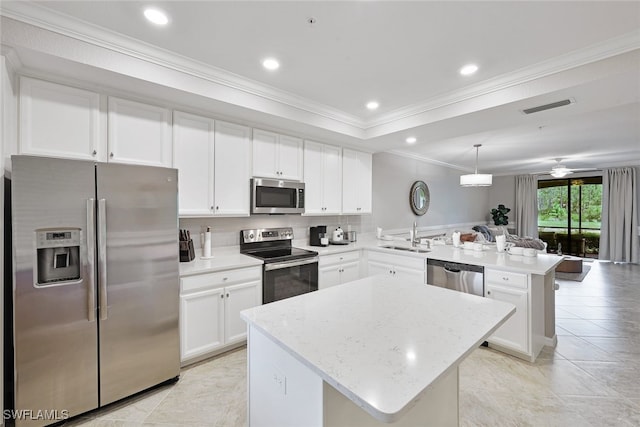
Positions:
{"x": 456, "y": 276}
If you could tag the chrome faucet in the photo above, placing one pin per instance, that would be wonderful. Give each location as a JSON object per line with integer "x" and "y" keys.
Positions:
{"x": 414, "y": 234}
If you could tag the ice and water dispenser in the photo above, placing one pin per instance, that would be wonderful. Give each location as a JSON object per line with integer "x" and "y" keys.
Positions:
{"x": 58, "y": 256}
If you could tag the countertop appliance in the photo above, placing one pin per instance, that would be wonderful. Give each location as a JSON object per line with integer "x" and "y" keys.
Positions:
{"x": 274, "y": 196}
{"x": 316, "y": 234}
{"x": 95, "y": 283}
{"x": 287, "y": 271}
{"x": 456, "y": 276}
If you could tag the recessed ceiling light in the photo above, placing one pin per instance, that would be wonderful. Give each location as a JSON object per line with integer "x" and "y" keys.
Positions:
{"x": 411, "y": 140}
{"x": 271, "y": 64}
{"x": 372, "y": 105}
{"x": 468, "y": 69}
{"x": 156, "y": 16}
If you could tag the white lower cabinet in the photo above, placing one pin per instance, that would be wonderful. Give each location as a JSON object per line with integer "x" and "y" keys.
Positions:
{"x": 397, "y": 266}
{"x": 337, "y": 269}
{"x": 210, "y": 306}
{"x": 516, "y": 334}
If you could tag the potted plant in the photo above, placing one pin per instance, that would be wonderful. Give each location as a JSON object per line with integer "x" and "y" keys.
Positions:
{"x": 499, "y": 215}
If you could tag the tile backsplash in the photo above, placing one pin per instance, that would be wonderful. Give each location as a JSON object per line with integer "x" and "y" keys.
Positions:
{"x": 226, "y": 231}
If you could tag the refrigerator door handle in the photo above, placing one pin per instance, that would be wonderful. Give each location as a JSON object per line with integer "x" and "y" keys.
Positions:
{"x": 91, "y": 260}
{"x": 102, "y": 257}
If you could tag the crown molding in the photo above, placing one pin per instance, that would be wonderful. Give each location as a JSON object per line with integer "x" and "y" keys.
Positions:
{"x": 603, "y": 50}
{"x": 80, "y": 30}
{"x": 63, "y": 24}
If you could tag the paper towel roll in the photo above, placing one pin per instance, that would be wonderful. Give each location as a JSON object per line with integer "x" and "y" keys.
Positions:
{"x": 206, "y": 249}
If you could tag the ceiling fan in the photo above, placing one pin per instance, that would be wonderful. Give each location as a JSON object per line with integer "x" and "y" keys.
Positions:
{"x": 560, "y": 170}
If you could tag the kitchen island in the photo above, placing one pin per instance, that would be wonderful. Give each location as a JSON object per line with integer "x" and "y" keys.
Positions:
{"x": 368, "y": 352}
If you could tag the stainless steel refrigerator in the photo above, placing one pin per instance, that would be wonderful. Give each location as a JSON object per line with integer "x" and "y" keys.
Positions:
{"x": 95, "y": 283}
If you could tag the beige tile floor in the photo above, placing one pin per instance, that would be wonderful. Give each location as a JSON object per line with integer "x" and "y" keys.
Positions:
{"x": 592, "y": 378}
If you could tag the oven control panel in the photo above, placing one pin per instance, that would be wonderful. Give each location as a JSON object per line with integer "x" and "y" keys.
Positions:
{"x": 266, "y": 234}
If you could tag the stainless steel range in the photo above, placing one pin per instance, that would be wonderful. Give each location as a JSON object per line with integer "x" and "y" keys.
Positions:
{"x": 287, "y": 271}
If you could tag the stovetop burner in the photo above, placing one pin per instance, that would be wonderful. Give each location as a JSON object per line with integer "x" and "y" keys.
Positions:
{"x": 272, "y": 245}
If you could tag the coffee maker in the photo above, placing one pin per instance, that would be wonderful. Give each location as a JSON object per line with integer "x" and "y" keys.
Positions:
{"x": 318, "y": 236}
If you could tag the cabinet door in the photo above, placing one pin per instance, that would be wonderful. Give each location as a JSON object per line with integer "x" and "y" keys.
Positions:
{"x": 232, "y": 169}
{"x": 328, "y": 276}
{"x": 313, "y": 178}
{"x": 237, "y": 298}
{"x": 365, "y": 180}
{"x": 201, "y": 322}
{"x": 59, "y": 121}
{"x": 265, "y": 154}
{"x": 356, "y": 182}
{"x": 332, "y": 185}
{"x": 290, "y": 158}
{"x": 409, "y": 274}
{"x": 350, "y": 272}
{"x": 139, "y": 133}
{"x": 375, "y": 268}
{"x": 193, "y": 139}
{"x": 514, "y": 332}
{"x": 350, "y": 182}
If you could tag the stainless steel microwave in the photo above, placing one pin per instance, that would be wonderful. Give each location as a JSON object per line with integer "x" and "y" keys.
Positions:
{"x": 276, "y": 196}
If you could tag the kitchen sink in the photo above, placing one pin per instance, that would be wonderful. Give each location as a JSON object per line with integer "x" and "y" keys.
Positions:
{"x": 405, "y": 248}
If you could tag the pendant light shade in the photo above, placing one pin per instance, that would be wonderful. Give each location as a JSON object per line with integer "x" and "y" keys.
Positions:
{"x": 476, "y": 179}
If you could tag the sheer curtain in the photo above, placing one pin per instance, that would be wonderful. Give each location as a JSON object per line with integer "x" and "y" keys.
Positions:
{"x": 619, "y": 234}
{"x": 527, "y": 206}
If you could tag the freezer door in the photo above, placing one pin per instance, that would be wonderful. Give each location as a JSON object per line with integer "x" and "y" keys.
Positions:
{"x": 138, "y": 283}
{"x": 55, "y": 331}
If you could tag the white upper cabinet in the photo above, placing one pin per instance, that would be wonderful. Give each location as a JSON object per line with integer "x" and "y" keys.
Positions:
{"x": 59, "y": 121}
{"x": 232, "y": 169}
{"x": 356, "y": 182}
{"x": 323, "y": 178}
{"x": 193, "y": 151}
{"x": 139, "y": 133}
{"x": 276, "y": 156}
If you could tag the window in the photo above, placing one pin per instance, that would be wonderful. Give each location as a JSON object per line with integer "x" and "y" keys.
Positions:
{"x": 569, "y": 215}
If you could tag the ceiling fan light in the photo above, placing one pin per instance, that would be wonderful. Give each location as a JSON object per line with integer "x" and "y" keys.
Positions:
{"x": 560, "y": 171}
{"x": 476, "y": 180}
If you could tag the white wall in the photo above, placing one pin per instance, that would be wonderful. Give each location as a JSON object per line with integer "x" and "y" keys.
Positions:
{"x": 451, "y": 204}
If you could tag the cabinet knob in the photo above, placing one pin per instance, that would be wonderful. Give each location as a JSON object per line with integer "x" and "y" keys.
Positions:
{"x": 227, "y": 294}
{"x": 225, "y": 278}
{"x": 488, "y": 292}
{"x": 111, "y": 154}
{"x": 221, "y": 295}
{"x": 217, "y": 208}
{"x": 211, "y": 207}
{"x": 506, "y": 279}
{"x": 94, "y": 153}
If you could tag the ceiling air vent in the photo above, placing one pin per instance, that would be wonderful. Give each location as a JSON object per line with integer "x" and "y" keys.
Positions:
{"x": 548, "y": 106}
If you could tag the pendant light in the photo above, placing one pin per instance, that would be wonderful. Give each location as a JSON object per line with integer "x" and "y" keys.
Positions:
{"x": 476, "y": 179}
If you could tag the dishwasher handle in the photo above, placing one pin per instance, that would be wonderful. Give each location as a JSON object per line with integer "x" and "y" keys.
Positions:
{"x": 454, "y": 267}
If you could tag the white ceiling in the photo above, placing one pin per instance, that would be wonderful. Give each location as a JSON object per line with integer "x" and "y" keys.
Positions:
{"x": 406, "y": 56}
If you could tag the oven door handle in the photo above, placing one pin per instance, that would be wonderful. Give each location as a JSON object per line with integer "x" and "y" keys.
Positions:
{"x": 287, "y": 264}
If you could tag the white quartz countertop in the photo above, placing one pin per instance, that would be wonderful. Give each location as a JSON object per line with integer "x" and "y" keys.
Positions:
{"x": 539, "y": 264}
{"x": 381, "y": 342}
{"x": 226, "y": 258}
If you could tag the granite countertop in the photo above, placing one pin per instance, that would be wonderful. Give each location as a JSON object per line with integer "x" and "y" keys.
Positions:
{"x": 379, "y": 341}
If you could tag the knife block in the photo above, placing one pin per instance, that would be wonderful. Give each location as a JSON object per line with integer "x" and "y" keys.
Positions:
{"x": 187, "y": 253}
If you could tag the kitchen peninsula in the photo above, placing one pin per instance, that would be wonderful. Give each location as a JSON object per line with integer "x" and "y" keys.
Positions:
{"x": 368, "y": 352}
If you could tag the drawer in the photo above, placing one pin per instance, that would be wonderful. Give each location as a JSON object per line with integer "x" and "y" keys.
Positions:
{"x": 397, "y": 260}
{"x": 506, "y": 278}
{"x": 219, "y": 279}
{"x": 340, "y": 258}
